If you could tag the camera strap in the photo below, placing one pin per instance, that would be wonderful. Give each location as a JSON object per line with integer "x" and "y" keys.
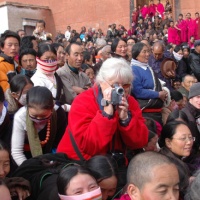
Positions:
{"x": 76, "y": 149}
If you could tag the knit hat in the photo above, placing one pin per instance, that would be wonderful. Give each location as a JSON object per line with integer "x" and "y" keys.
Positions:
{"x": 197, "y": 43}
{"x": 194, "y": 90}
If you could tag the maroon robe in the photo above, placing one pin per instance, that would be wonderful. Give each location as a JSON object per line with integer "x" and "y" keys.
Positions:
{"x": 152, "y": 10}
{"x": 197, "y": 22}
{"x": 181, "y": 24}
{"x": 173, "y": 36}
{"x": 160, "y": 8}
{"x": 145, "y": 12}
{"x": 135, "y": 16}
{"x": 191, "y": 28}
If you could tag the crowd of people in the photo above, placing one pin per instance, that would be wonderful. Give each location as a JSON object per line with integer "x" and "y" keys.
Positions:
{"x": 96, "y": 115}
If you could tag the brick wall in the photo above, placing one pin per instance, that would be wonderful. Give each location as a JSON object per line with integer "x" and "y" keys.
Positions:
{"x": 89, "y": 13}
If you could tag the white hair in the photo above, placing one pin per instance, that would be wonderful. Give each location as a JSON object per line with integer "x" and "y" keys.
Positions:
{"x": 113, "y": 69}
{"x": 103, "y": 50}
{"x": 100, "y": 42}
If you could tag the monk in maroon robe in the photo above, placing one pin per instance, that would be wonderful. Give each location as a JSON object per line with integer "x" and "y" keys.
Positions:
{"x": 191, "y": 26}
{"x": 181, "y": 25}
{"x": 152, "y": 9}
{"x": 160, "y": 8}
{"x": 197, "y": 22}
{"x": 173, "y": 34}
{"x": 145, "y": 11}
{"x": 135, "y": 15}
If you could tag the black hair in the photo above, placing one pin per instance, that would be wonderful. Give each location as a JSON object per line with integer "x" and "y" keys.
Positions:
{"x": 86, "y": 56}
{"x": 40, "y": 96}
{"x": 57, "y": 45}
{"x": 26, "y": 51}
{"x": 177, "y": 48}
{"x": 3, "y": 146}
{"x": 132, "y": 38}
{"x": 67, "y": 174}
{"x": 103, "y": 167}
{"x": 168, "y": 131}
{"x": 169, "y": 46}
{"x": 41, "y": 22}
{"x": 68, "y": 48}
{"x": 74, "y": 39}
{"x": 136, "y": 49}
{"x": 176, "y": 80}
{"x": 178, "y": 115}
{"x": 44, "y": 48}
{"x": 2, "y": 97}
{"x": 6, "y": 35}
{"x": 18, "y": 83}
{"x": 115, "y": 43}
{"x": 26, "y": 42}
{"x": 180, "y": 15}
{"x": 176, "y": 95}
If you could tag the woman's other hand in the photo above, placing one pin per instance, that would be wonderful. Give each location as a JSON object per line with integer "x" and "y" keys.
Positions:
{"x": 163, "y": 95}
{"x": 123, "y": 109}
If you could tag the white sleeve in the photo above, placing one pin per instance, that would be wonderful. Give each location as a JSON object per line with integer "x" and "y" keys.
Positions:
{"x": 18, "y": 136}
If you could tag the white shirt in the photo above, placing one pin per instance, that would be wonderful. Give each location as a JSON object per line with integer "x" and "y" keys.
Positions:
{"x": 40, "y": 79}
{"x": 67, "y": 35}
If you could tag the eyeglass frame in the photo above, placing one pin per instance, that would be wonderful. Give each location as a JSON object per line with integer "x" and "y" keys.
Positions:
{"x": 191, "y": 139}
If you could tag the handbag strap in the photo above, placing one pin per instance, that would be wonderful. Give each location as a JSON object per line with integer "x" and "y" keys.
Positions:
{"x": 76, "y": 149}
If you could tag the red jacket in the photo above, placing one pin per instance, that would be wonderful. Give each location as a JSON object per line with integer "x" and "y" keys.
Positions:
{"x": 93, "y": 132}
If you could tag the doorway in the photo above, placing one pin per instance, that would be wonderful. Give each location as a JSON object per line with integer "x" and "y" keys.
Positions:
{"x": 142, "y": 2}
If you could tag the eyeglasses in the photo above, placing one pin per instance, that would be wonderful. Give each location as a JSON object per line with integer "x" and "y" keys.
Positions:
{"x": 125, "y": 86}
{"x": 185, "y": 139}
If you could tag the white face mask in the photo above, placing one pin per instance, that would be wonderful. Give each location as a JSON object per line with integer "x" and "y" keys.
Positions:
{"x": 177, "y": 56}
{"x": 22, "y": 99}
{"x": 93, "y": 195}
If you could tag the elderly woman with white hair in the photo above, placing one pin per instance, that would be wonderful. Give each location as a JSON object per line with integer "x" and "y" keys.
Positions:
{"x": 105, "y": 119}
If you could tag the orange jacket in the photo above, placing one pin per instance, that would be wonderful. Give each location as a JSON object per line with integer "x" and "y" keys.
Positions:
{"x": 7, "y": 71}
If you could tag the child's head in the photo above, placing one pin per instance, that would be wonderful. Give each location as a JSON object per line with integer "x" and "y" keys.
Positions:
{"x": 40, "y": 26}
{"x": 171, "y": 24}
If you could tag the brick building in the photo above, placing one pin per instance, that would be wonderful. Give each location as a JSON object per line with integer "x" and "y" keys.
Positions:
{"x": 77, "y": 13}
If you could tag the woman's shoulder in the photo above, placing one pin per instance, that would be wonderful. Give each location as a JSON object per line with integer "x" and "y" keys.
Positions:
{"x": 21, "y": 113}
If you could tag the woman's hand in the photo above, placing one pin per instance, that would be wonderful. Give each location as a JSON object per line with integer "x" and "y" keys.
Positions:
{"x": 106, "y": 91}
{"x": 163, "y": 95}
{"x": 123, "y": 109}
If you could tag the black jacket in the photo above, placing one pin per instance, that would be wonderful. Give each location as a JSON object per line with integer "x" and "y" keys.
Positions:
{"x": 194, "y": 62}
{"x": 192, "y": 115}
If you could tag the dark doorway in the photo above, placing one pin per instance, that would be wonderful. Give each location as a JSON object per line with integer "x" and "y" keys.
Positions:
{"x": 142, "y": 2}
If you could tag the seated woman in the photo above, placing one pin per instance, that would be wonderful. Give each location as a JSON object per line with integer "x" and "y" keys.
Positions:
{"x": 16, "y": 95}
{"x": 76, "y": 182}
{"x": 108, "y": 119}
{"x": 18, "y": 186}
{"x": 146, "y": 88}
{"x": 60, "y": 54}
{"x": 176, "y": 142}
{"x": 119, "y": 48}
{"x": 105, "y": 171}
{"x": 37, "y": 127}
{"x": 46, "y": 75}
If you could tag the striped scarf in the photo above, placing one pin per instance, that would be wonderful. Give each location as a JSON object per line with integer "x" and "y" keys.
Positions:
{"x": 47, "y": 67}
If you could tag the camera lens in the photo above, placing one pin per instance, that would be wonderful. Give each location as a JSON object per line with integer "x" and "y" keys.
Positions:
{"x": 120, "y": 91}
